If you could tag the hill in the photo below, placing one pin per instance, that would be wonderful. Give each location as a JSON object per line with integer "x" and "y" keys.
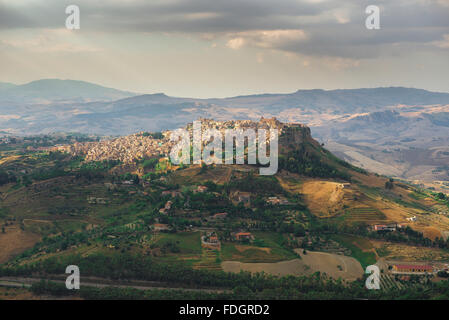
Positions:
{"x": 54, "y": 90}
{"x": 120, "y": 210}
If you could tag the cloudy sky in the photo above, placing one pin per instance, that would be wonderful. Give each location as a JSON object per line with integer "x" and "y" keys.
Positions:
{"x": 217, "y": 48}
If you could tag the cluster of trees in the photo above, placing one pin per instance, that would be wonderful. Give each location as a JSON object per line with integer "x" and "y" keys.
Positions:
{"x": 264, "y": 185}
{"x": 6, "y": 177}
{"x": 148, "y": 164}
{"x": 304, "y": 162}
{"x": 115, "y": 293}
{"x": 389, "y": 184}
{"x": 442, "y": 196}
{"x": 402, "y": 235}
{"x": 154, "y": 135}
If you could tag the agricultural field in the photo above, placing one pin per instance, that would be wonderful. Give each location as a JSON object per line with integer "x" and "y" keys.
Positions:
{"x": 7, "y": 293}
{"x": 403, "y": 252}
{"x": 14, "y": 241}
{"x": 335, "y": 266}
{"x": 364, "y": 214}
{"x": 181, "y": 243}
{"x": 324, "y": 198}
{"x": 192, "y": 175}
{"x": 361, "y": 248}
{"x": 268, "y": 247}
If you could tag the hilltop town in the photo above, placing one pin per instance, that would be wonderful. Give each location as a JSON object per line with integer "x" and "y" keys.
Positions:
{"x": 142, "y": 145}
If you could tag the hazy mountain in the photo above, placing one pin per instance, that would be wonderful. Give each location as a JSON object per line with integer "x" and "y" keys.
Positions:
{"x": 51, "y": 90}
{"x": 35, "y": 104}
{"x": 409, "y": 141}
{"x": 339, "y": 101}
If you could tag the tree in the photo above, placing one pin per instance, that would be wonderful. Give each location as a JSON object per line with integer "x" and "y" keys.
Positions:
{"x": 441, "y": 196}
{"x": 389, "y": 184}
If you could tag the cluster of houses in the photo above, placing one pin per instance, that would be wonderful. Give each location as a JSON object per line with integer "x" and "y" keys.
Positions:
{"x": 391, "y": 226}
{"x": 263, "y": 123}
{"x": 277, "y": 201}
{"x": 125, "y": 149}
{"x": 140, "y": 145}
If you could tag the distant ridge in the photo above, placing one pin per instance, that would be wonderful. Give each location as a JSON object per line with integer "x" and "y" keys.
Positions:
{"x": 90, "y": 108}
{"x": 318, "y": 100}
{"x": 56, "y": 90}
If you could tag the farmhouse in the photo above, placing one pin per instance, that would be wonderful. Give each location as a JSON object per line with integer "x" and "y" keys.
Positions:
{"x": 167, "y": 208}
{"x": 409, "y": 268}
{"x": 160, "y": 227}
{"x": 211, "y": 241}
{"x": 201, "y": 189}
{"x": 386, "y": 227}
{"x": 277, "y": 201}
{"x": 243, "y": 236}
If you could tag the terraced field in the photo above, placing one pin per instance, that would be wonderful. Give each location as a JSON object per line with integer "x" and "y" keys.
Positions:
{"x": 387, "y": 282}
{"x": 368, "y": 214}
{"x": 209, "y": 260}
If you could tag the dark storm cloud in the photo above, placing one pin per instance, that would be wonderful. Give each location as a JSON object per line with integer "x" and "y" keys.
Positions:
{"x": 333, "y": 28}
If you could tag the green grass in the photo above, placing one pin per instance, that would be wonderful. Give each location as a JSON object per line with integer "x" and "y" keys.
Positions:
{"x": 418, "y": 195}
{"x": 188, "y": 242}
{"x": 365, "y": 258}
{"x": 411, "y": 204}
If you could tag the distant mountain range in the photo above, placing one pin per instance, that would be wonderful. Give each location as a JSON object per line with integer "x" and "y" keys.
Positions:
{"x": 372, "y": 127}
{"x": 51, "y": 90}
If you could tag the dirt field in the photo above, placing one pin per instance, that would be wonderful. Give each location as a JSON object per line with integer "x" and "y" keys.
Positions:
{"x": 219, "y": 174}
{"x": 336, "y": 266}
{"x": 15, "y": 241}
{"x": 242, "y": 248}
{"x": 324, "y": 198}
